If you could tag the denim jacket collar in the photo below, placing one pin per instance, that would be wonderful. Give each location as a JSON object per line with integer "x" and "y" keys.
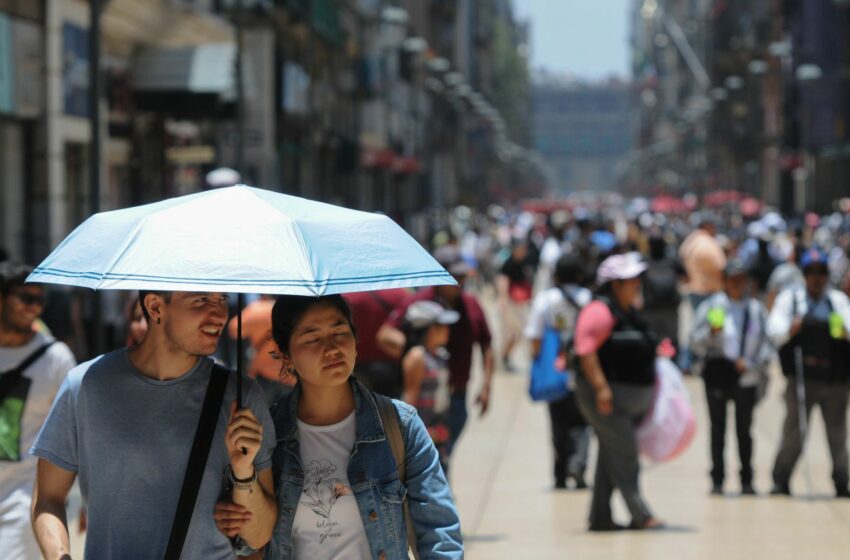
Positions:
{"x": 368, "y": 425}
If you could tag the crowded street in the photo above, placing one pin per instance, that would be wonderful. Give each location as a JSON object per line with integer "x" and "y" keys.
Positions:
{"x": 431, "y": 279}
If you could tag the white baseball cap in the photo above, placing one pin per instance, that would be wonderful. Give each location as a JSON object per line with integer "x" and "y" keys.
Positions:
{"x": 620, "y": 267}
{"x": 423, "y": 314}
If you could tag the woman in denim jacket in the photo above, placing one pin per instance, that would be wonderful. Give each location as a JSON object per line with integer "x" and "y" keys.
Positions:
{"x": 336, "y": 479}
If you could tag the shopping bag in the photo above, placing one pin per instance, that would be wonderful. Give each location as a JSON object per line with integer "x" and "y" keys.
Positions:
{"x": 670, "y": 426}
{"x": 548, "y": 378}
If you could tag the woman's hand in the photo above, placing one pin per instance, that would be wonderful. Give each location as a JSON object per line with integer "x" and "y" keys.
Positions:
{"x": 243, "y": 438}
{"x": 230, "y": 518}
{"x": 605, "y": 401}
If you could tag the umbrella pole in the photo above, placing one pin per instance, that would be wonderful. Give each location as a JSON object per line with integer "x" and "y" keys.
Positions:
{"x": 239, "y": 348}
{"x": 240, "y": 301}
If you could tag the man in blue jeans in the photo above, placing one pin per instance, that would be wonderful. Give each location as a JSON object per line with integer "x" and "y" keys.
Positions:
{"x": 470, "y": 330}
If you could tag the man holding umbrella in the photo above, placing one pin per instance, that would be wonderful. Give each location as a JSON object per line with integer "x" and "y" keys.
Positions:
{"x": 124, "y": 425}
{"x": 809, "y": 326}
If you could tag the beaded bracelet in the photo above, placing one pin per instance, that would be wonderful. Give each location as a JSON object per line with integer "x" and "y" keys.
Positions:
{"x": 246, "y": 484}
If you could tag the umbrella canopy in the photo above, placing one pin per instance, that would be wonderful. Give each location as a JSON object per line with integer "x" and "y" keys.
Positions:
{"x": 240, "y": 239}
{"x": 667, "y": 204}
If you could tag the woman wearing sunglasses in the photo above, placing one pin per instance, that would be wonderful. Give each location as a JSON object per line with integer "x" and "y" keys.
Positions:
{"x": 339, "y": 489}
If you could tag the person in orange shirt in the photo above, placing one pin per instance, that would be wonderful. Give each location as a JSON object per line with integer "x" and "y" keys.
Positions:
{"x": 704, "y": 261}
{"x": 257, "y": 329}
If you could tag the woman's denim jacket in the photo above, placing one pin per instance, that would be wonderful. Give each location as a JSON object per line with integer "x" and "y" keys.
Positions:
{"x": 373, "y": 477}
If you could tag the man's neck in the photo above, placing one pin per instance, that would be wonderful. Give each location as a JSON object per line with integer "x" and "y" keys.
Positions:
{"x": 157, "y": 359}
{"x": 15, "y": 338}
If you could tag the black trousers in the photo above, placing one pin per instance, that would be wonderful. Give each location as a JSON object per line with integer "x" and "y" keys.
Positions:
{"x": 744, "y": 399}
{"x": 570, "y": 437}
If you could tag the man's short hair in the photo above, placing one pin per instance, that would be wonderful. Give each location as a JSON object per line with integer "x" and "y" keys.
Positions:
{"x": 142, "y": 293}
{"x": 13, "y": 274}
{"x": 569, "y": 270}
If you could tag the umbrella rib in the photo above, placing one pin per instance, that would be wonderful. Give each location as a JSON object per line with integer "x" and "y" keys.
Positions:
{"x": 297, "y": 228}
{"x": 122, "y": 250}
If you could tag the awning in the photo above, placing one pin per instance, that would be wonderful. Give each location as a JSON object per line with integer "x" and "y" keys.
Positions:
{"x": 205, "y": 68}
{"x": 160, "y": 23}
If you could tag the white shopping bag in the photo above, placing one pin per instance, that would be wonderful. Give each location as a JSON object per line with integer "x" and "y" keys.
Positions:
{"x": 669, "y": 426}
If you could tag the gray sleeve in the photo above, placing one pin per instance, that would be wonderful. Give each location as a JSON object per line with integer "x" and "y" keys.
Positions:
{"x": 57, "y": 440}
{"x": 257, "y": 401}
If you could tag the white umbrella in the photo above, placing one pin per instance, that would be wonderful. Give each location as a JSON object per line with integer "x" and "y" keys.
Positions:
{"x": 240, "y": 239}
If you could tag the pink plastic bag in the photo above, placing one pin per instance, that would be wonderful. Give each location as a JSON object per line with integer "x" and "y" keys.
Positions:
{"x": 669, "y": 426}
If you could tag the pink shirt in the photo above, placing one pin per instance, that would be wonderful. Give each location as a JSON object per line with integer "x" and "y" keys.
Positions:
{"x": 594, "y": 325}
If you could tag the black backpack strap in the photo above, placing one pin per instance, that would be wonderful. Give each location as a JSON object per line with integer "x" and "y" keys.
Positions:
{"x": 10, "y": 378}
{"x": 385, "y": 305}
{"x": 197, "y": 461}
{"x": 744, "y": 329}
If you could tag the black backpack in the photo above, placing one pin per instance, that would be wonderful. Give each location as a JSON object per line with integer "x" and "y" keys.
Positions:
{"x": 660, "y": 285}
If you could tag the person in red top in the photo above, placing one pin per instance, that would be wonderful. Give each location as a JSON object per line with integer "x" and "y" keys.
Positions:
{"x": 471, "y": 329}
{"x": 376, "y": 369}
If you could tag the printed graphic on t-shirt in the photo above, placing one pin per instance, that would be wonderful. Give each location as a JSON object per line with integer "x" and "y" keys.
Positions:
{"x": 11, "y": 420}
{"x": 321, "y": 491}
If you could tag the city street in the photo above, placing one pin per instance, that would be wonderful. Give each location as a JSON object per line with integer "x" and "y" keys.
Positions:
{"x": 503, "y": 486}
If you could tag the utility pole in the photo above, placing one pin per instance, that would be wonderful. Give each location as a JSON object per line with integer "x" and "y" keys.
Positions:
{"x": 95, "y": 8}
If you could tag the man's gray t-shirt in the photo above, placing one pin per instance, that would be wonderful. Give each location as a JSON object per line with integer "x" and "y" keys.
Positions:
{"x": 128, "y": 439}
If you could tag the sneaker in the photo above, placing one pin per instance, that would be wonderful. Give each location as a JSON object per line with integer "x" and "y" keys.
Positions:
{"x": 747, "y": 489}
{"x": 842, "y": 492}
{"x": 561, "y": 484}
{"x": 717, "y": 489}
{"x": 508, "y": 366}
{"x": 780, "y": 490}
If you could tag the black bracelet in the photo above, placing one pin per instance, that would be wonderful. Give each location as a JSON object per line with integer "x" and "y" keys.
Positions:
{"x": 251, "y": 478}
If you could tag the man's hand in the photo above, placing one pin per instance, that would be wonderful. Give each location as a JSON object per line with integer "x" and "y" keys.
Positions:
{"x": 244, "y": 432}
{"x": 483, "y": 399}
{"x": 605, "y": 401}
{"x": 230, "y": 518}
{"x": 796, "y": 326}
{"x": 741, "y": 366}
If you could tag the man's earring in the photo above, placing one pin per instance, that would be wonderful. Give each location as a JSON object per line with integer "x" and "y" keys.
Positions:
{"x": 158, "y": 320}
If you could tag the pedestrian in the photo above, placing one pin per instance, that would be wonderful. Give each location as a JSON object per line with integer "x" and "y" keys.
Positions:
{"x": 812, "y": 322}
{"x": 703, "y": 259}
{"x": 257, "y": 330}
{"x": 339, "y": 490}
{"x": 557, "y": 308}
{"x": 470, "y": 331}
{"x": 661, "y": 291}
{"x": 124, "y": 423}
{"x": 733, "y": 354}
{"x": 376, "y": 369}
{"x": 426, "y": 370}
{"x": 786, "y": 275}
{"x": 615, "y": 391}
{"x": 32, "y": 367}
{"x": 514, "y": 290}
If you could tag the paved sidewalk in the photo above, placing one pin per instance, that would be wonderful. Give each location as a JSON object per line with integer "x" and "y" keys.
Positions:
{"x": 502, "y": 481}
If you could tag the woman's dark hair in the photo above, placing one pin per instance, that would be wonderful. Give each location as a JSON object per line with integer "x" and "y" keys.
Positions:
{"x": 289, "y": 310}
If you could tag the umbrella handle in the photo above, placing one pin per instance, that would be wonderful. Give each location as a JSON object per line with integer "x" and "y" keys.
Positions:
{"x": 239, "y": 354}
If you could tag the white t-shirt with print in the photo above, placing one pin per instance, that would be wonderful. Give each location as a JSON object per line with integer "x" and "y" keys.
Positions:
{"x": 16, "y": 477}
{"x": 46, "y": 375}
{"x": 327, "y": 520}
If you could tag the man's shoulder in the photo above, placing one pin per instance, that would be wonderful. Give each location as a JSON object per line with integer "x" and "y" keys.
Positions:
{"x": 91, "y": 369}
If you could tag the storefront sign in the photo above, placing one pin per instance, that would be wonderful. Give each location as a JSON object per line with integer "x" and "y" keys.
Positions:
{"x": 29, "y": 69}
{"x": 7, "y": 69}
{"x": 75, "y": 71}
